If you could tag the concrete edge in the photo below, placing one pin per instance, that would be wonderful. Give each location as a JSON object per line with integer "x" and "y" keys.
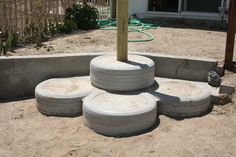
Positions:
{"x": 20, "y": 74}
{"x": 70, "y": 54}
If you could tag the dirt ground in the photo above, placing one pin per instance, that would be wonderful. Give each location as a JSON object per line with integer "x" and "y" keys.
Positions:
{"x": 175, "y": 41}
{"x": 24, "y": 132}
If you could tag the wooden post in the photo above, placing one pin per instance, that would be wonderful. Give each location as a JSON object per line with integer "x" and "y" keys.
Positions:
{"x": 26, "y": 17}
{"x": 113, "y": 9}
{"x": 5, "y": 16}
{"x": 122, "y": 30}
{"x": 16, "y": 18}
{"x": 10, "y": 14}
{"x": 229, "y": 52}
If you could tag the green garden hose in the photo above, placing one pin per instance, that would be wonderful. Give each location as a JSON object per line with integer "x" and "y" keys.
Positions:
{"x": 135, "y": 25}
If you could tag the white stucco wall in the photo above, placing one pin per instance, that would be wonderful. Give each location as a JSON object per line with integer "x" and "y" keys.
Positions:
{"x": 137, "y": 6}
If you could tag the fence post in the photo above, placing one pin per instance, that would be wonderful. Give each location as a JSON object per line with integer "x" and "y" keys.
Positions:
{"x": 5, "y": 16}
{"x": 229, "y": 52}
{"x": 113, "y": 9}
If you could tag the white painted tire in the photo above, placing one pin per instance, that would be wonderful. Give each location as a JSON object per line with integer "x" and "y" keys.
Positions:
{"x": 119, "y": 114}
{"x": 62, "y": 96}
{"x": 109, "y": 74}
{"x": 182, "y": 99}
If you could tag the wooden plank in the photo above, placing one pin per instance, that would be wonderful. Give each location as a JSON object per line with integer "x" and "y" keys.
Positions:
{"x": 122, "y": 30}
{"x": 113, "y": 9}
{"x": 108, "y": 10}
{"x": 26, "y": 17}
{"x": 4, "y": 15}
{"x": 229, "y": 52}
{"x": 53, "y": 10}
{"x": 15, "y": 15}
{"x": 57, "y": 11}
{"x": 21, "y": 17}
{"x": 10, "y": 15}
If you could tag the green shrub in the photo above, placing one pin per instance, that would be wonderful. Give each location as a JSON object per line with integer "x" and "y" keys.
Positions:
{"x": 52, "y": 27}
{"x": 84, "y": 16}
{"x": 35, "y": 33}
{"x": 11, "y": 41}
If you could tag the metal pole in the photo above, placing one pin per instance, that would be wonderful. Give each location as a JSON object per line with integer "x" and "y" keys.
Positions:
{"x": 122, "y": 30}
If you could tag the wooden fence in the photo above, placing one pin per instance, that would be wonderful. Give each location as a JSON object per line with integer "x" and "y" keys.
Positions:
{"x": 16, "y": 14}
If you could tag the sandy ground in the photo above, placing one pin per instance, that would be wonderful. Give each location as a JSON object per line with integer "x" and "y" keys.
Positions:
{"x": 176, "y": 41}
{"x": 24, "y": 132}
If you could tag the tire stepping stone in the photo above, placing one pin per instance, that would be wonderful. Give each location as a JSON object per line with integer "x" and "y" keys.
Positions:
{"x": 62, "y": 96}
{"x": 119, "y": 114}
{"x": 109, "y": 74}
{"x": 182, "y": 99}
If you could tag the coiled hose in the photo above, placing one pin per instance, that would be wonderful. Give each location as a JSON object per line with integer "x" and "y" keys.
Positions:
{"x": 135, "y": 25}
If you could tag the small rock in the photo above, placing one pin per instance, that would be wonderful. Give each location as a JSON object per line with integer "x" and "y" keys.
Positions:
{"x": 224, "y": 89}
{"x": 223, "y": 99}
{"x": 218, "y": 111}
{"x": 39, "y": 45}
{"x": 18, "y": 115}
{"x": 50, "y": 48}
{"x": 10, "y": 53}
{"x": 214, "y": 79}
{"x": 87, "y": 38}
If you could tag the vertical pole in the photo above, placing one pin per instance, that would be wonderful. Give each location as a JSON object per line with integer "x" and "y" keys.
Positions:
{"x": 113, "y": 9}
{"x": 10, "y": 15}
{"x": 15, "y": 15}
{"x": 185, "y": 5}
{"x": 229, "y": 53}
{"x": 26, "y": 13}
{"x": 180, "y": 6}
{"x": 5, "y": 16}
{"x": 122, "y": 30}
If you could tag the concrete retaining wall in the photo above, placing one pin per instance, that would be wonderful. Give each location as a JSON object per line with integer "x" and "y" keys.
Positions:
{"x": 186, "y": 68}
{"x": 20, "y": 75}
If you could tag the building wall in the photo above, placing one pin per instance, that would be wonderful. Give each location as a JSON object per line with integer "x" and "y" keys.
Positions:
{"x": 137, "y": 6}
{"x": 140, "y": 8}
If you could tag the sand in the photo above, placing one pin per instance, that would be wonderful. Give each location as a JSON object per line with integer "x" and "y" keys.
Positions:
{"x": 24, "y": 132}
{"x": 174, "y": 41}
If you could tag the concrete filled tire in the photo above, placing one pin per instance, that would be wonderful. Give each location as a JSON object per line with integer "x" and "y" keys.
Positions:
{"x": 182, "y": 99}
{"x": 119, "y": 114}
{"x": 109, "y": 74}
{"x": 62, "y": 96}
